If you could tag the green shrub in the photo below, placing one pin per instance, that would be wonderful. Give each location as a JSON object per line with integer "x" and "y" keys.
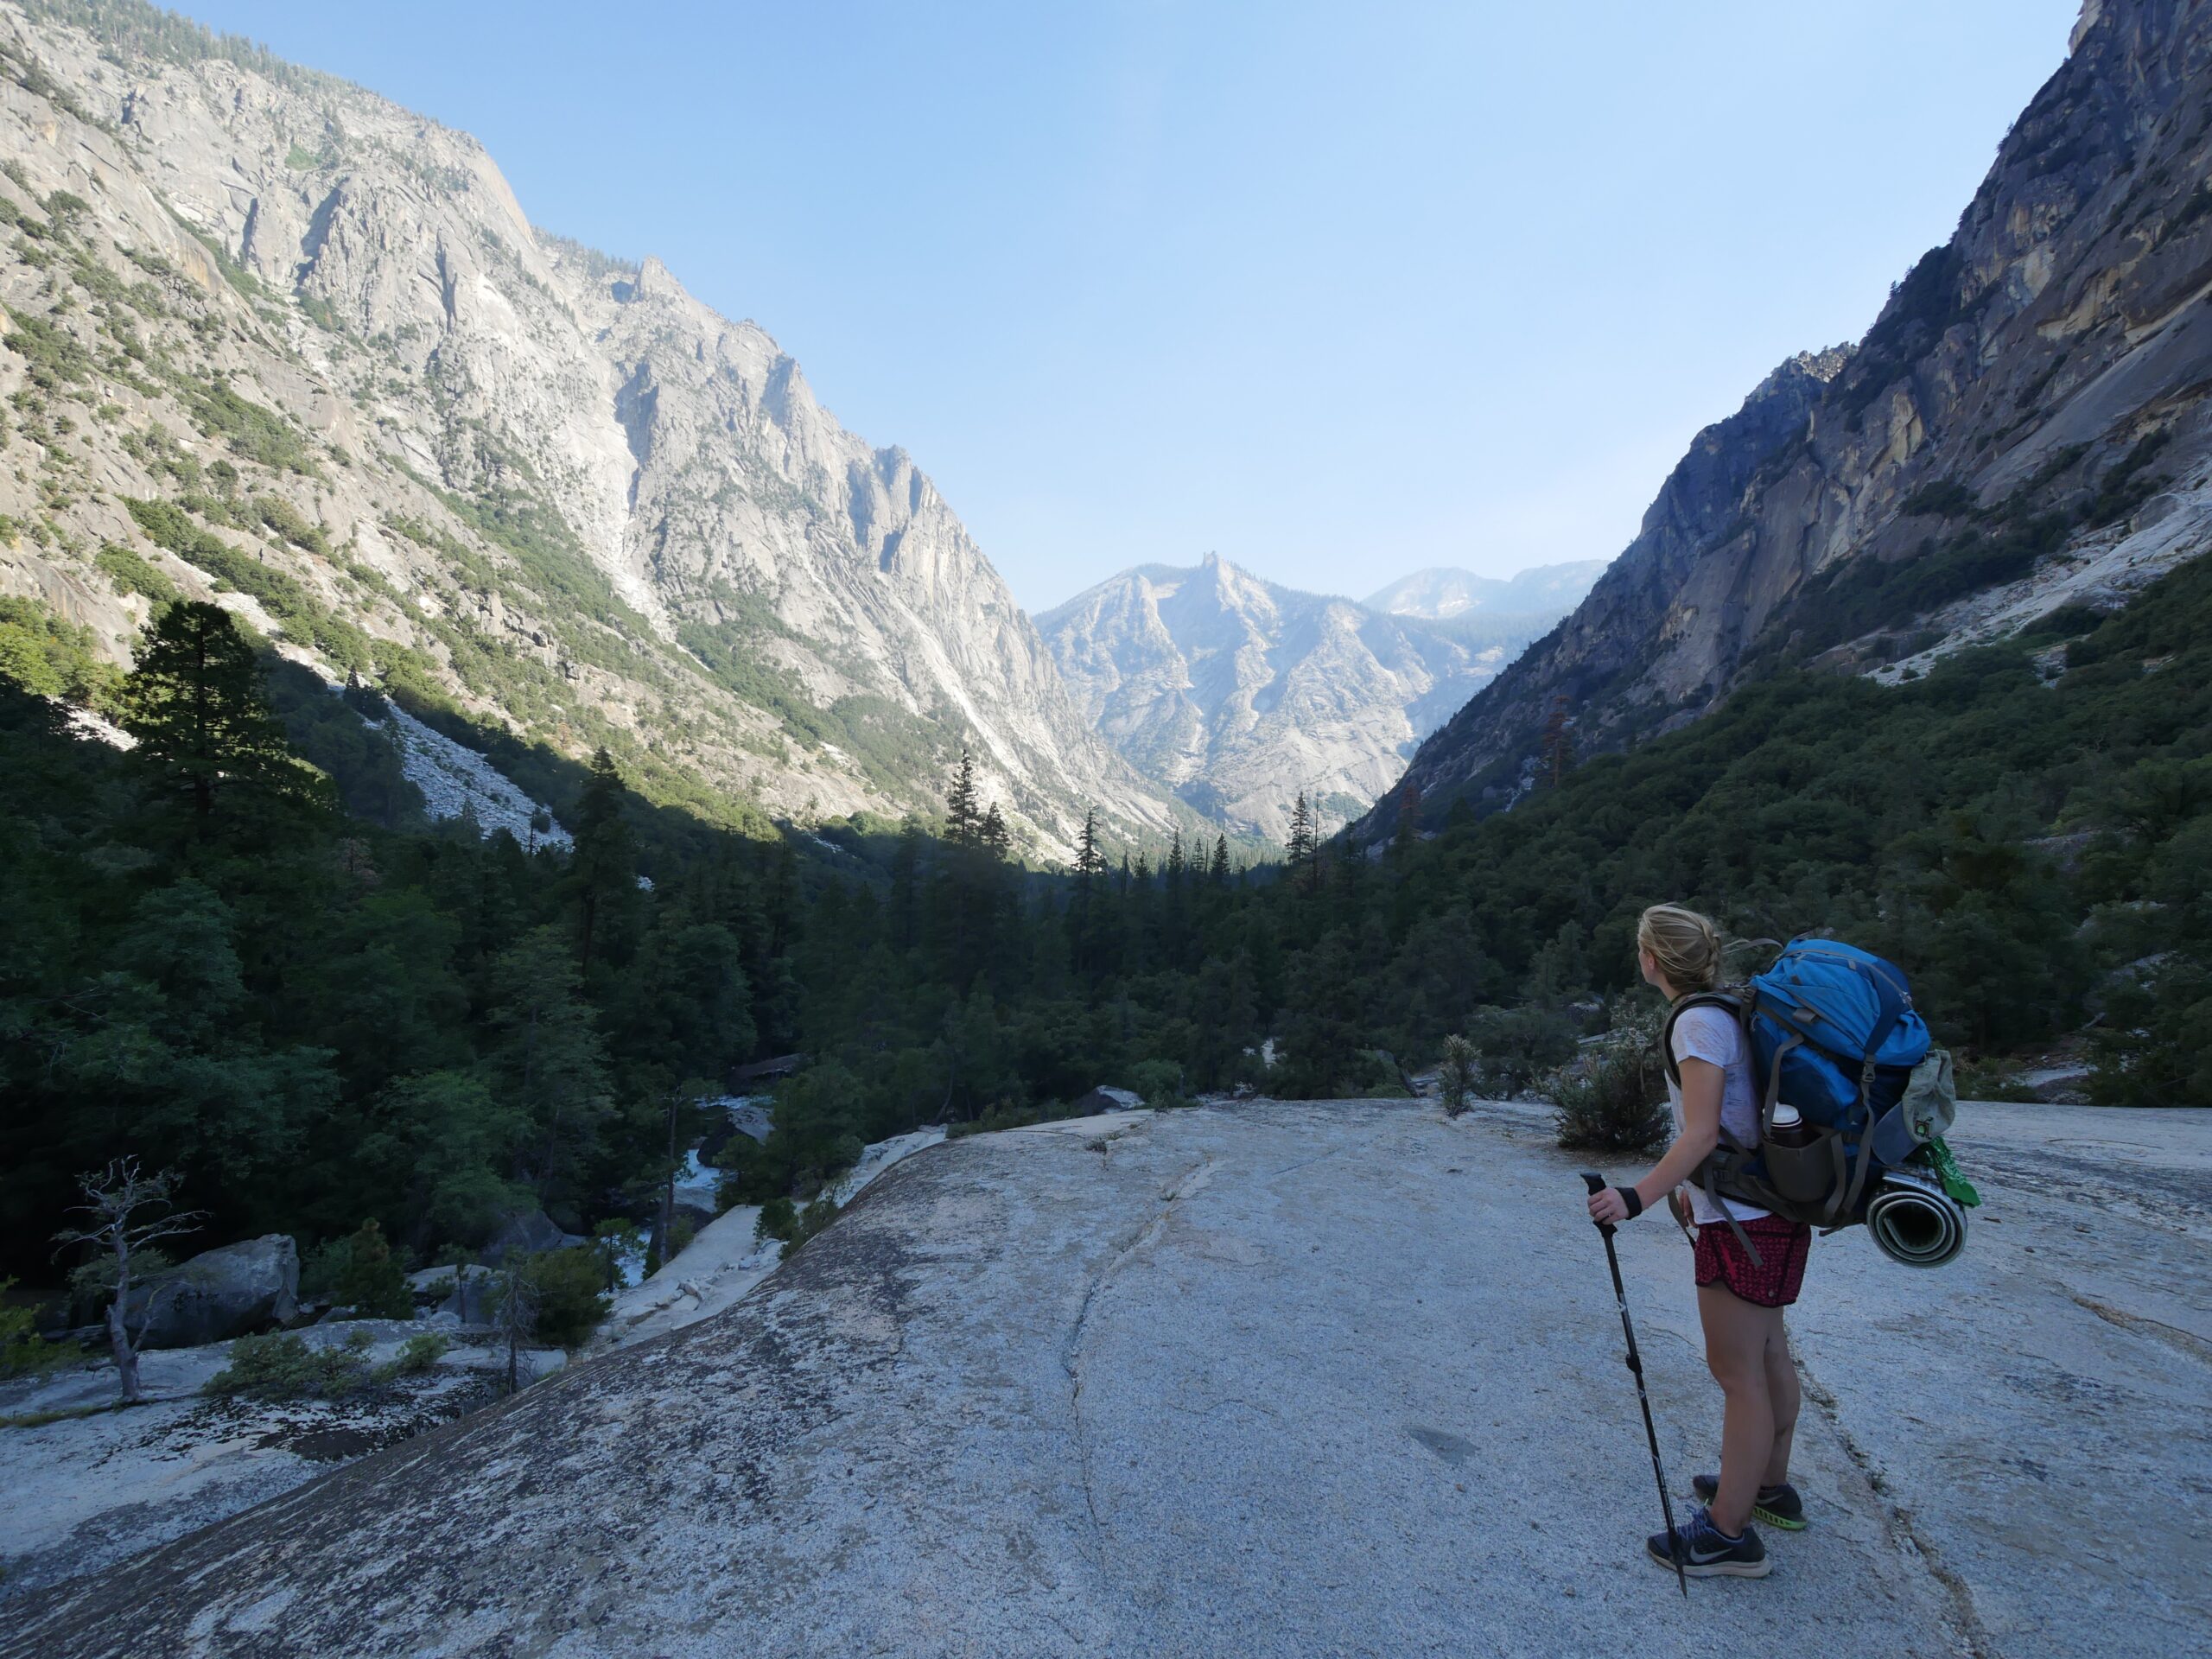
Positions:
{"x": 1608, "y": 1099}
{"x": 778, "y": 1219}
{"x": 289, "y": 522}
{"x": 43, "y": 652}
{"x": 258, "y": 434}
{"x": 370, "y": 1280}
{"x": 168, "y": 525}
{"x": 131, "y": 574}
{"x": 22, "y": 1351}
{"x": 283, "y": 1367}
{"x": 781, "y": 1219}
{"x": 1948, "y": 499}
{"x": 416, "y": 1356}
{"x": 812, "y": 1219}
{"x": 1458, "y": 1078}
{"x": 1011, "y": 1115}
{"x": 53, "y": 357}
{"x": 571, "y": 1294}
{"x": 1159, "y": 1083}
{"x": 1515, "y": 1046}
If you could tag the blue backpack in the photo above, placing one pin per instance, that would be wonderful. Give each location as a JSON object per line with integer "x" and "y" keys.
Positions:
{"x": 1832, "y": 1033}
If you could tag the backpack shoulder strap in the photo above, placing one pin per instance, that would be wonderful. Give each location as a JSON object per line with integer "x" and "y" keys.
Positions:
{"x": 1728, "y": 999}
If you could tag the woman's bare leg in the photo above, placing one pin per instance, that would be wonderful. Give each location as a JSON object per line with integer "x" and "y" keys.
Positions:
{"x": 1736, "y": 1334}
{"x": 1782, "y": 1392}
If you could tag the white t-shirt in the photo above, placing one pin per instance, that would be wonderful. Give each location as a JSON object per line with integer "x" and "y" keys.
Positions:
{"x": 1715, "y": 1035}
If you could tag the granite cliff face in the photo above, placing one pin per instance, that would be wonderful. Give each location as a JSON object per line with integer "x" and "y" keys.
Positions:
{"x": 413, "y": 436}
{"x": 1237, "y": 694}
{"x": 2024, "y": 425}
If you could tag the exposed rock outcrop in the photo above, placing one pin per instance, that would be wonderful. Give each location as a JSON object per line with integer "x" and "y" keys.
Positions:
{"x": 2034, "y": 391}
{"x": 1260, "y": 1379}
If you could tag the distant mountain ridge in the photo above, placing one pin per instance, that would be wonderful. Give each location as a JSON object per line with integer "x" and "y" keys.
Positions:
{"x": 1237, "y": 693}
{"x": 1445, "y": 591}
{"x": 2025, "y": 425}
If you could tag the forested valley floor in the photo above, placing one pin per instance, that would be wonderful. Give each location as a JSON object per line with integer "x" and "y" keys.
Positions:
{"x": 240, "y": 951}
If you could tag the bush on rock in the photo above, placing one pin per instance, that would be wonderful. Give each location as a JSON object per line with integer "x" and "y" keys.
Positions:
{"x": 570, "y": 1287}
{"x": 1608, "y": 1098}
{"x": 280, "y": 1367}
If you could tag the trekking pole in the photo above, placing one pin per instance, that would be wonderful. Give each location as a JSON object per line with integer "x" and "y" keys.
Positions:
{"x": 1596, "y": 1184}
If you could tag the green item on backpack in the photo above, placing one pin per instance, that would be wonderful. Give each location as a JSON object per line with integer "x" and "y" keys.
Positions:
{"x": 1938, "y": 1155}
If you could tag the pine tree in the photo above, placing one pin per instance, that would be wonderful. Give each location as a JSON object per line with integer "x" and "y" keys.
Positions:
{"x": 1302, "y": 845}
{"x": 547, "y": 1062}
{"x": 1218, "y": 872}
{"x": 903, "y": 914}
{"x": 603, "y": 870}
{"x": 963, "y": 820}
{"x": 371, "y": 1282}
{"x": 994, "y": 834}
{"x": 1090, "y": 859}
{"x": 1408, "y": 833}
{"x": 1559, "y": 743}
{"x": 195, "y": 705}
{"x": 1174, "y": 865}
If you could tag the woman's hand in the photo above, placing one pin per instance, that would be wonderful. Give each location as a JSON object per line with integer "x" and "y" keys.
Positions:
{"x": 1606, "y": 1206}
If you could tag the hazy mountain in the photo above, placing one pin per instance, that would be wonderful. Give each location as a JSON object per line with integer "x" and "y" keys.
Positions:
{"x": 1443, "y": 591}
{"x": 2025, "y": 425}
{"x": 1237, "y": 693}
{"x": 409, "y": 434}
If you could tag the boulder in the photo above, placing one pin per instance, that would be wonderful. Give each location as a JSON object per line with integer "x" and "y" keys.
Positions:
{"x": 527, "y": 1232}
{"x": 1103, "y": 1099}
{"x": 471, "y": 1293}
{"x": 220, "y": 1294}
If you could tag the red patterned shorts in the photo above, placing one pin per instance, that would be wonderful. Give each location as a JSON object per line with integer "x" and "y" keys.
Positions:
{"x": 1783, "y": 1246}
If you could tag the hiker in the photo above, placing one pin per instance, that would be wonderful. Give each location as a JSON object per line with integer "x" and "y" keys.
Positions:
{"x": 1740, "y": 1301}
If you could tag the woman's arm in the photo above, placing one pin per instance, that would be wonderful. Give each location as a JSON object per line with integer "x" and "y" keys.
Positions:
{"x": 1702, "y": 1083}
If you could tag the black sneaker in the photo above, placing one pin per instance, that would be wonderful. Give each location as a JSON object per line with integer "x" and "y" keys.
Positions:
{"x": 1707, "y": 1554}
{"x": 1778, "y": 1506}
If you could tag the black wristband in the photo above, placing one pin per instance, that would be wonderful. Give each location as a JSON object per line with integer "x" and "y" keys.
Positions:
{"x": 1630, "y": 1197}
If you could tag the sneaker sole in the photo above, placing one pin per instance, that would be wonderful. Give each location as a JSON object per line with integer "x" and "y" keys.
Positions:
{"x": 1758, "y": 1569}
{"x": 1759, "y": 1512}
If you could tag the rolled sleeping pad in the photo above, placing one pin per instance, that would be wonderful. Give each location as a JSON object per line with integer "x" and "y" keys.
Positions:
{"x": 1914, "y": 1221}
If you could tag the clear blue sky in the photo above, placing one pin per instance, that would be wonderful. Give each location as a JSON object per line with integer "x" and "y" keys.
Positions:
{"x": 1337, "y": 290}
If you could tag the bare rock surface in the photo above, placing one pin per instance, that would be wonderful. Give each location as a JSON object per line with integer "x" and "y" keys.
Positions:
{"x": 93, "y": 1487}
{"x": 727, "y": 1258}
{"x": 1282, "y": 1379}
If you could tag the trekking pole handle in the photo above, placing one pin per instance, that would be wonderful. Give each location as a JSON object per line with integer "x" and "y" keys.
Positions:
{"x": 1596, "y": 1184}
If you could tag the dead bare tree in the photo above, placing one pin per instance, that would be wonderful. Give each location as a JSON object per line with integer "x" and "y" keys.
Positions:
{"x": 130, "y": 1210}
{"x": 515, "y": 1317}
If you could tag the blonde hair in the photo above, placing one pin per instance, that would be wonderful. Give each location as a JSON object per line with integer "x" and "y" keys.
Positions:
{"x": 1686, "y": 945}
